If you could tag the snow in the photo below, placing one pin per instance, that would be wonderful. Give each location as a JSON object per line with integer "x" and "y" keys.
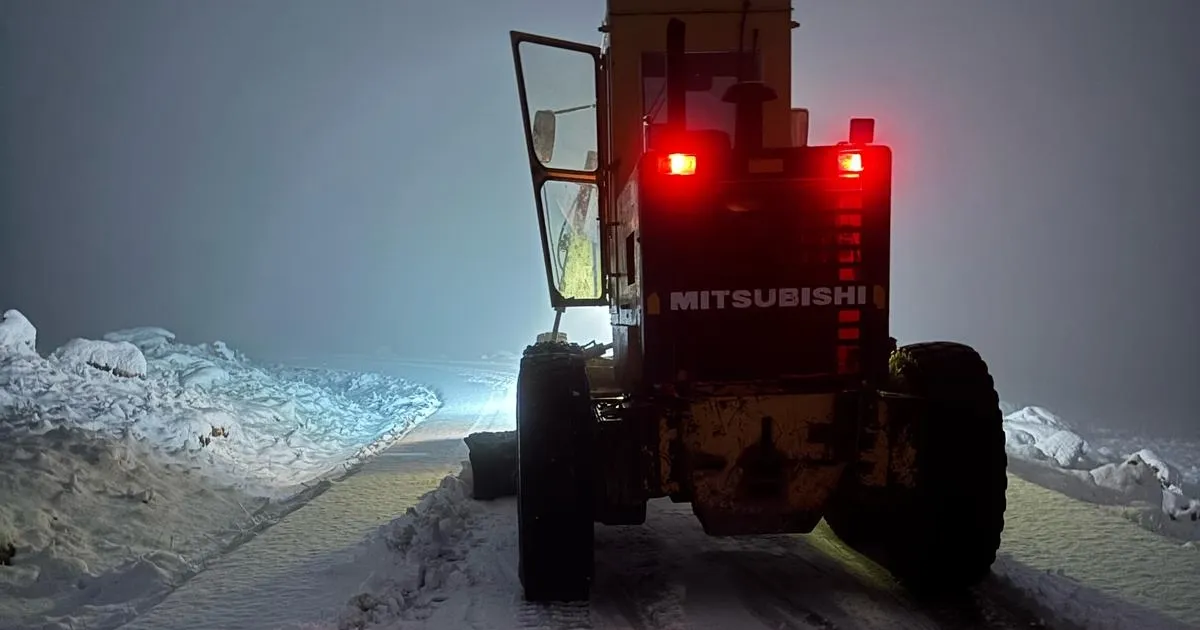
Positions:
{"x": 17, "y": 334}
{"x": 296, "y": 572}
{"x": 1131, "y": 478}
{"x": 119, "y": 357}
{"x": 1036, "y": 434}
{"x": 425, "y": 549}
{"x": 115, "y": 490}
{"x": 128, "y": 463}
{"x": 1183, "y": 454}
{"x": 1046, "y": 450}
{"x": 143, "y": 337}
{"x": 449, "y": 562}
{"x": 446, "y": 562}
{"x": 1066, "y": 602}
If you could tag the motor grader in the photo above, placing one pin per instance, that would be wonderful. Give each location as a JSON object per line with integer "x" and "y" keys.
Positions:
{"x": 752, "y": 373}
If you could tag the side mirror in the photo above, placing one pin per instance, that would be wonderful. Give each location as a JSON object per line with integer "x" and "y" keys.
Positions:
{"x": 543, "y": 135}
{"x": 799, "y": 127}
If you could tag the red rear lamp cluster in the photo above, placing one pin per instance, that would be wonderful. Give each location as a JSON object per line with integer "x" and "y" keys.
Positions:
{"x": 850, "y": 163}
{"x": 677, "y": 164}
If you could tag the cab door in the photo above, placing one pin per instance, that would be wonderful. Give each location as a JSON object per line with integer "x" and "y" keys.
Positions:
{"x": 562, "y": 91}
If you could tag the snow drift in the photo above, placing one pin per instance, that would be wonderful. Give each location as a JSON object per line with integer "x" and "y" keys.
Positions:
{"x": 17, "y": 334}
{"x": 426, "y": 554}
{"x": 1046, "y": 450}
{"x": 119, "y": 357}
{"x": 128, "y": 462}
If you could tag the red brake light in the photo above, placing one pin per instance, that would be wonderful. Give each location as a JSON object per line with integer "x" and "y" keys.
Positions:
{"x": 677, "y": 164}
{"x": 850, "y": 163}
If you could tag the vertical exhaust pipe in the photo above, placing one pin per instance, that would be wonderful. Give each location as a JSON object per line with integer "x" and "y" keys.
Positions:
{"x": 677, "y": 77}
{"x": 748, "y": 97}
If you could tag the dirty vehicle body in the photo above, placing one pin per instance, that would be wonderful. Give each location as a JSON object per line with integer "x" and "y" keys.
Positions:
{"x": 752, "y": 372}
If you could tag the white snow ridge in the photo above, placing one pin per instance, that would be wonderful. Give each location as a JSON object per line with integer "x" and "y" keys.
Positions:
{"x": 119, "y": 357}
{"x": 17, "y": 334}
{"x": 426, "y": 551}
{"x": 127, "y": 463}
{"x": 1047, "y": 451}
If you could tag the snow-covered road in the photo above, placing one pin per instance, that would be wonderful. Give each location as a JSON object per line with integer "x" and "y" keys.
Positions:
{"x": 667, "y": 574}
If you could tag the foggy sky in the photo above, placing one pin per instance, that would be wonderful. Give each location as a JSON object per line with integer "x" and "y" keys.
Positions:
{"x": 306, "y": 177}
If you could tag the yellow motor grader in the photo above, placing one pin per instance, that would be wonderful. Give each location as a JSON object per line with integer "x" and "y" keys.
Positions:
{"x": 752, "y": 372}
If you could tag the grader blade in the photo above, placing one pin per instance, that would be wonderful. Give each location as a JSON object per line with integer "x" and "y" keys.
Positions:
{"x": 493, "y": 457}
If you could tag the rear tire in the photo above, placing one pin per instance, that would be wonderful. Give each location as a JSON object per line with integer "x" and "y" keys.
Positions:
{"x": 950, "y": 525}
{"x": 555, "y": 474}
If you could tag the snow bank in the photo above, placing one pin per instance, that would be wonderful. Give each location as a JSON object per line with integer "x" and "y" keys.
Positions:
{"x": 264, "y": 429}
{"x": 1181, "y": 455}
{"x": 1036, "y": 434}
{"x": 147, "y": 337}
{"x": 113, "y": 489}
{"x": 17, "y": 334}
{"x": 119, "y": 357}
{"x": 1131, "y": 478}
{"x": 1065, "y": 602}
{"x": 426, "y": 554}
{"x": 1051, "y": 453}
{"x": 99, "y": 523}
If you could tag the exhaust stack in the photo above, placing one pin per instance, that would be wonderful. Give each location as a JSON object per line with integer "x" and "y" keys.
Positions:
{"x": 677, "y": 76}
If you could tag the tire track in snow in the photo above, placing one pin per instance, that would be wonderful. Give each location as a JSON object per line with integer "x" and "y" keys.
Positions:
{"x": 682, "y": 578}
{"x": 705, "y": 582}
{"x": 632, "y": 589}
{"x": 774, "y": 608}
{"x": 554, "y": 617}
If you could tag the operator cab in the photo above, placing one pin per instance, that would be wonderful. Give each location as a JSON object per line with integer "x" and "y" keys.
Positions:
{"x": 674, "y": 185}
